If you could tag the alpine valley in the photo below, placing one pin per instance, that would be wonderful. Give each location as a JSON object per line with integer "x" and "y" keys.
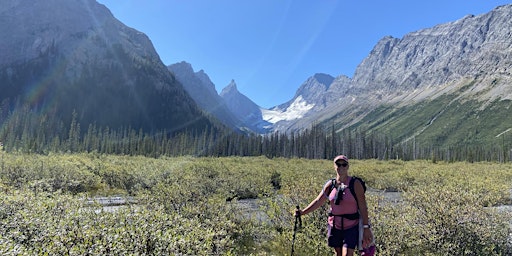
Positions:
{"x": 449, "y": 85}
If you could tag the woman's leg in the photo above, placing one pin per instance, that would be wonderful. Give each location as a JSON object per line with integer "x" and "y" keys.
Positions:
{"x": 348, "y": 252}
{"x": 335, "y": 239}
{"x": 351, "y": 239}
{"x": 344, "y": 251}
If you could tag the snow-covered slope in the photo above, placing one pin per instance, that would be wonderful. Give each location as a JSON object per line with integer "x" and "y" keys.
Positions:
{"x": 297, "y": 109}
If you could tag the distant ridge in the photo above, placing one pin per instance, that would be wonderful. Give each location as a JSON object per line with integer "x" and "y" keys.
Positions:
{"x": 60, "y": 57}
{"x": 202, "y": 90}
{"x": 446, "y": 85}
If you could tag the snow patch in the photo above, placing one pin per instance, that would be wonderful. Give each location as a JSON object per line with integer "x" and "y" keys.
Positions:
{"x": 296, "y": 110}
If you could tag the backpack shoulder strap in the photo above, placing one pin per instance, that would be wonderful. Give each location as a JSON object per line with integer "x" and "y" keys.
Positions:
{"x": 332, "y": 184}
{"x": 352, "y": 188}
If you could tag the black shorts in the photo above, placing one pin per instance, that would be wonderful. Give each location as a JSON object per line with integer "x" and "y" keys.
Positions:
{"x": 338, "y": 238}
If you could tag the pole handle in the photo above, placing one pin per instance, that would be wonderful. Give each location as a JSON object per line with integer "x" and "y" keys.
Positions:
{"x": 300, "y": 220}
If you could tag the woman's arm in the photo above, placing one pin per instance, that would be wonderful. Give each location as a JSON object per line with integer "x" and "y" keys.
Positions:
{"x": 317, "y": 202}
{"x": 363, "y": 210}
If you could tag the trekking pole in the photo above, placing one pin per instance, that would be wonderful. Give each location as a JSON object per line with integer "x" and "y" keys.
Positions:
{"x": 295, "y": 228}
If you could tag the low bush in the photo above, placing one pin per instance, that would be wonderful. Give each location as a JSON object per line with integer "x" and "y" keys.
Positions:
{"x": 242, "y": 206}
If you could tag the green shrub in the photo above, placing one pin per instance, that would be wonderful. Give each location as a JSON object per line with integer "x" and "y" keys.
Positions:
{"x": 193, "y": 206}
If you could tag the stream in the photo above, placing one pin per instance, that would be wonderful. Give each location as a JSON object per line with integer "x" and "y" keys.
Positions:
{"x": 111, "y": 204}
{"x": 251, "y": 208}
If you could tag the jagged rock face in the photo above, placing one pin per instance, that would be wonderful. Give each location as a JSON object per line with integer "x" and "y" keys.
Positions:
{"x": 338, "y": 89}
{"x": 244, "y": 109}
{"x": 202, "y": 90}
{"x": 82, "y": 31}
{"x": 78, "y": 57}
{"x": 315, "y": 88}
{"x": 425, "y": 64}
{"x": 470, "y": 47}
{"x": 199, "y": 87}
{"x": 311, "y": 97}
{"x": 196, "y": 83}
{"x": 242, "y": 106}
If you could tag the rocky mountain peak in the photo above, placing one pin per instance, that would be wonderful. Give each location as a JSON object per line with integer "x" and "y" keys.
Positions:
{"x": 313, "y": 90}
{"x": 182, "y": 67}
{"x": 230, "y": 89}
{"x": 466, "y": 48}
{"x": 202, "y": 90}
{"x": 201, "y": 75}
{"x": 323, "y": 78}
{"x": 194, "y": 82}
{"x": 243, "y": 108}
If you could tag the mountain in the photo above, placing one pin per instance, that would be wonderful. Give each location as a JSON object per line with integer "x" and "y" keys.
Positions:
{"x": 59, "y": 57}
{"x": 202, "y": 90}
{"x": 244, "y": 109}
{"x": 309, "y": 99}
{"x": 446, "y": 85}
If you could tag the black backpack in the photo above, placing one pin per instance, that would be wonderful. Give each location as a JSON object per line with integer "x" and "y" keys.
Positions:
{"x": 350, "y": 186}
{"x": 353, "y": 191}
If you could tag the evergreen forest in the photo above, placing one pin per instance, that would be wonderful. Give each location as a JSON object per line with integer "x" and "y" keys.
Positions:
{"x": 29, "y": 131}
{"x": 214, "y": 191}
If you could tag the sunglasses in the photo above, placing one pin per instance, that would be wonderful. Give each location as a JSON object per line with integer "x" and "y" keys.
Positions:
{"x": 344, "y": 164}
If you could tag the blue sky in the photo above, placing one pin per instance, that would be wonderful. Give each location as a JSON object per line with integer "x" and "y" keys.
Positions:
{"x": 270, "y": 47}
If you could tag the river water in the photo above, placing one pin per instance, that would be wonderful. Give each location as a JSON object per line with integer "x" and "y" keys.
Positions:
{"x": 251, "y": 208}
{"x": 111, "y": 204}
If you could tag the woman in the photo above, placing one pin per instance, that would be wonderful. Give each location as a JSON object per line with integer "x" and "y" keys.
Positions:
{"x": 345, "y": 212}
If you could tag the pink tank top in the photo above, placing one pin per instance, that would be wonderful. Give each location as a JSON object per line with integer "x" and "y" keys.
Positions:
{"x": 347, "y": 205}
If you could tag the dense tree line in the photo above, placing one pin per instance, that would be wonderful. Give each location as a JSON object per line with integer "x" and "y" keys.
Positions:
{"x": 144, "y": 96}
{"x": 27, "y": 131}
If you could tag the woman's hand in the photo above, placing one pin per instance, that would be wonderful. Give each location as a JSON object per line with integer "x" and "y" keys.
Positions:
{"x": 367, "y": 237}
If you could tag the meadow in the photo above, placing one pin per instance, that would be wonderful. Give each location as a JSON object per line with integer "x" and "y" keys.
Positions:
{"x": 242, "y": 205}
